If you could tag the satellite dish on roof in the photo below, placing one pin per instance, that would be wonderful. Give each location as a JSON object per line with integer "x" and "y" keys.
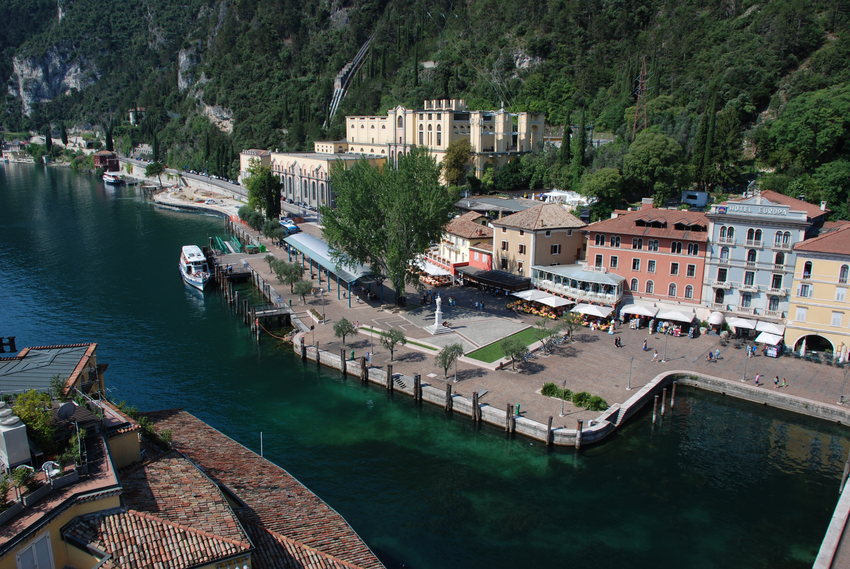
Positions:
{"x": 66, "y": 410}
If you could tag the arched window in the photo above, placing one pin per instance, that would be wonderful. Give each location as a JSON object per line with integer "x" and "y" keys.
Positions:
{"x": 751, "y": 256}
{"x": 723, "y": 233}
{"x": 400, "y": 122}
{"x": 650, "y": 287}
{"x": 777, "y": 239}
{"x": 751, "y": 234}
{"x": 439, "y": 135}
{"x": 807, "y": 270}
{"x": 779, "y": 259}
{"x": 730, "y": 233}
{"x": 615, "y": 241}
{"x": 633, "y": 285}
{"x": 421, "y": 136}
{"x": 758, "y": 235}
{"x": 322, "y": 192}
{"x": 724, "y": 254}
{"x": 842, "y": 274}
{"x": 689, "y": 291}
{"x": 671, "y": 290}
{"x": 786, "y": 238}
{"x": 313, "y": 186}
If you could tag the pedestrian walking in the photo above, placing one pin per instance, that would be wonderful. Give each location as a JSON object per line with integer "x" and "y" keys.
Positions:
{"x": 716, "y": 354}
{"x": 750, "y": 351}
{"x": 784, "y": 382}
{"x": 645, "y": 347}
{"x": 775, "y": 381}
{"x": 655, "y": 355}
{"x": 758, "y": 379}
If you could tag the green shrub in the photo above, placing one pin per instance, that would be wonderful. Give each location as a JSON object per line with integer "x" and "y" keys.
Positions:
{"x": 550, "y": 390}
{"x": 581, "y": 399}
{"x": 34, "y": 409}
{"x": 596, "y": 403}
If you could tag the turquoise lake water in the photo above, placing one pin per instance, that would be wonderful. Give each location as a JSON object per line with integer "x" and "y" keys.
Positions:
{"x": 719, "y": 483}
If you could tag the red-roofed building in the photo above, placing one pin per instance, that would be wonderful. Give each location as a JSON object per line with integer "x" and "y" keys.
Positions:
{"x": 106, "y": 160}
{"x": 660, "y": 252}
{"x": 460, "y": 236}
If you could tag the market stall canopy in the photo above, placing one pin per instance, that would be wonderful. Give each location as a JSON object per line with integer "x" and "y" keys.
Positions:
{"x": 593, "y": 310}
{"x": 768, "y": 338}
{"x": 555, "y": 301}
{"x": 431, "y": 268}
{"x": 716, "y": 318}
{"x": 639, "y": 309}
{"x": 771, "y": 328}
{"x": 742, "y": 323}
{"x": 532, "y": 294}
{"x": 677, "y": 315}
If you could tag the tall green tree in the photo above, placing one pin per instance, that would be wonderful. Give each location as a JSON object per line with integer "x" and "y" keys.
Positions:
{"x": 155, "y": 169}
{"x": 577, "y": 165}
{"x": 605, "y": 186}
{"x": 263, "y": 190}
{"x": 342, "y": 328}
{"x": 448, "y": 356}
{"x": 391, "y": 339}
{"x": 456, "y": 160}
{"x": 48, "y": 139}
{"x": 653, "y": 166}
{"x": 384, "y": 217}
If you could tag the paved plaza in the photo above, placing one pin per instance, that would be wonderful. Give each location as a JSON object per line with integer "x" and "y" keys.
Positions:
{"x": 590, "y": 363}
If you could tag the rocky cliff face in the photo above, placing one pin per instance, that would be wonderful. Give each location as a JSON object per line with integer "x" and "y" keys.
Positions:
{"x": 37, "y": 79}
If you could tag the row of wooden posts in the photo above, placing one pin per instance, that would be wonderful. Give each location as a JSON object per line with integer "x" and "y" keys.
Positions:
{"x": 663, "y": 402}
{"x": 510, "y": 411}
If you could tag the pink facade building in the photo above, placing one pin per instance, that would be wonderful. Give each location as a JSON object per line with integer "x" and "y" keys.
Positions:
{"x": 660, "y": 252}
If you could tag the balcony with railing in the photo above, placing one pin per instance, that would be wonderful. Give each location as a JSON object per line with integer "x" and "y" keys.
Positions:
{"x": 782, "y": 246}
{"x": 777, "y": 291}
{"x": 726, "y": 285}
{"x": 754, "y": 242}
{"x": 749, "y": 287}
{"x": 774, "y": 314}
{"x": 723, "y": 240}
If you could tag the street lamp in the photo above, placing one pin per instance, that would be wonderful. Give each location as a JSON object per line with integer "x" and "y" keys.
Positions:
{"x": 841, "y": 399}
{"x": 629, "y": 385}
{"x": 563, "y": 399}
{"x": 746, "y": 361}
{"x": 666, "y": 337}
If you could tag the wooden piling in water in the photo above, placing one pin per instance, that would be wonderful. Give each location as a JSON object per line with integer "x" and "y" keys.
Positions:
{"x": 510, "y": 419}
{"x": 364, "y": 371}
{"x": 673, "y": 395}
{"x": 549, "y": 434}
{"x": 417, "y": 388}
{"x": 476, "y": 410}
{"x": 578, "y": 434}
{"x": 303, "y": 349}
{"x": 654, "y": 409}
{"x": 390, "y": 378}
{"x": 449, "y": 400}
{"x": 318, "y": 357}
{"x": 342, "y": 362}
{"x": 663, "y": 400}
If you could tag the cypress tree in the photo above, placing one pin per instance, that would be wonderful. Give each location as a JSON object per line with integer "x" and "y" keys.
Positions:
{"x": 566, "y": 140}
{"x": 580, "y": 145}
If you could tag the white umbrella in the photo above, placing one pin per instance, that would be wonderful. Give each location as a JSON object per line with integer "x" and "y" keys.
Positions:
{"x": 768, "y": 338}
{"x": 742, "y": 323}
{"x": 554, "y": 301}
{"x": 803, "y": 348}
{"x": 676, "y": 315}
{"x": 770, "y": 327}
{"x": 715, "y": 318}
{"x": 593, "y": 310}
{"x": 639, "y": 309}
{"x": 532, "y": 294}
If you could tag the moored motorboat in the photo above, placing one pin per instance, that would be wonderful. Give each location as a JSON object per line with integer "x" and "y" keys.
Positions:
{"x": 113, "y": 178}
{"x": 193, "y": 267}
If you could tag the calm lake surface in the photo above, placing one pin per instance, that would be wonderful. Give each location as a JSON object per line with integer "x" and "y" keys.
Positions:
{"x": 718, "y": 484}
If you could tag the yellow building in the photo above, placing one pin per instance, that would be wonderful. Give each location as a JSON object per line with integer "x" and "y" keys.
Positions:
{"x": 251, "y": 156}
{"x": 819, "y": 311}
{"x": 547, "y": 234}
{"x": 461, "y": 233}
{"x": 494, "y": 136}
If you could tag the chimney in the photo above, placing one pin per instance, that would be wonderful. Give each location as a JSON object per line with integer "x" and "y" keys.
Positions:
{"x": 646, "y": 203}
{"x": 823, "y": 206}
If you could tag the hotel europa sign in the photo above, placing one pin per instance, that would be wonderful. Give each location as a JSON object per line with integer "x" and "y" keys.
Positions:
{"x": 751, "y": 209}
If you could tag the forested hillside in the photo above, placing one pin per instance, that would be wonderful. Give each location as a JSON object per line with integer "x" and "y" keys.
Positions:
{"x": 732, "y": 87}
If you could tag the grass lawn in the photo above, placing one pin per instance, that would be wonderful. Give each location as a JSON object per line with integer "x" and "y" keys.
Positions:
{"x": 492, "y": 352}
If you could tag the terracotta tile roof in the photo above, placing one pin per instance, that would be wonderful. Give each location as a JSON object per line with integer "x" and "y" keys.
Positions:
{"x": 639, "y": 222}
{"x": 543, "y": 216}
{"x": 483, "y": 246}
{"x": 274, "y": 551}
{"x": 134, "y": 539}
{"x": 174, "y": 489}
{"x": 466, "y": 227}
{"x": 273, "y": 497}
{"x": 836, "y": 242}
{"x": 811, "y": 210}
